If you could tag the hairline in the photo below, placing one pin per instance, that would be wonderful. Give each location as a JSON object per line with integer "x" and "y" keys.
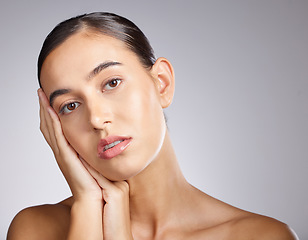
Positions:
{"x": 90, "y": 31}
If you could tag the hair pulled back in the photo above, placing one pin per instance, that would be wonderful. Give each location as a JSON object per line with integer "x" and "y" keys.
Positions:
{"x": 106, "y": 23}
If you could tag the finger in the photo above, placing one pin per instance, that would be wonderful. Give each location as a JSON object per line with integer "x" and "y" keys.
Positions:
{"x": 101, "y": 180}
{"x": 43, "y": 125}
{"x": 53, "y": 125}
{"x": 104, "y": 182}
{"x": 43, "y": 120}
{"x": 47, "y": 122}
{"x": 69, "y": 157}
{"x": 66, "y": 156}
{"x": 56, "y": 127}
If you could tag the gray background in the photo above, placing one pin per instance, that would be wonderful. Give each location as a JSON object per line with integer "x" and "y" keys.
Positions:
{"x": 239, "y": 118}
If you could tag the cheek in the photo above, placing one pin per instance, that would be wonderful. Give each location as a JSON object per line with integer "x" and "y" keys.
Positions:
{"x": 142, "y": 103}
{"x": 146, "y": 114}
{"x": 72, "y": 130}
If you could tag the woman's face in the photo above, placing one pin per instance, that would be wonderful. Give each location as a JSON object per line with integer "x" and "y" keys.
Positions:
{"x": 101, "y": 91}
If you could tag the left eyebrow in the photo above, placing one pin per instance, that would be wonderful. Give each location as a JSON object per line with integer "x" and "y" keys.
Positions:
{"x": 101, "y": 67}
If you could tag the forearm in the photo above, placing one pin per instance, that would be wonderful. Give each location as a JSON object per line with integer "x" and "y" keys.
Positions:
{"x": 86, "y": 221}
{"x": 116, "y": 222}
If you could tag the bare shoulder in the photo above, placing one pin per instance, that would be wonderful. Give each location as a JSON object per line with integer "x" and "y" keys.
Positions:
{"x": 50, "y": 221}
{"x": 254, "y": 226}
{"x": 249, "y": 226}
{"x": 223, "y": 221}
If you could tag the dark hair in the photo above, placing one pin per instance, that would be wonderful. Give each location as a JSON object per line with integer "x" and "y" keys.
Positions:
{"x": 106, "y": 23}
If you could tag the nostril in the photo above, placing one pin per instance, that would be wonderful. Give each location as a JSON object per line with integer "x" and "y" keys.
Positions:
{"x": 98, "y": 123}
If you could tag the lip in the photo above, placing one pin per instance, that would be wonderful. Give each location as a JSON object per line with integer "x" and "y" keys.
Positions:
{"x": 115, "y": 150}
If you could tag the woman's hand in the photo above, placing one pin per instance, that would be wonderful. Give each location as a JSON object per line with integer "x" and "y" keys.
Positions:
{"x": 101, "y": 207}
{"x": 81, "y": 183}
{"x": 116, "y": 216}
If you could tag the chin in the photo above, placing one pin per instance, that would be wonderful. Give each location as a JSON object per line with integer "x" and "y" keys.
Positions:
{"x": 120, "y": 175}
{"x": 120, "y": 170}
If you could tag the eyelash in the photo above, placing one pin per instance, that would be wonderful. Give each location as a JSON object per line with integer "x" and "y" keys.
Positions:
{"x": 66, "y": 105}
{"x": 62, "y": 110}
{"x": 119, "y": 81}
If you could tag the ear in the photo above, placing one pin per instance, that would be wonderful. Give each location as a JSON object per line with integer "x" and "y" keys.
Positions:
{"x": 163, "y": 74}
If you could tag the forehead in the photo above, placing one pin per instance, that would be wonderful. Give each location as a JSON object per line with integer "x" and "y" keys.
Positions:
{"x": 80, "y": 53}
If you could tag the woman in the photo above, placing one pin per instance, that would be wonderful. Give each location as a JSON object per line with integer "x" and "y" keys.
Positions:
{"x": 101, "y": 99}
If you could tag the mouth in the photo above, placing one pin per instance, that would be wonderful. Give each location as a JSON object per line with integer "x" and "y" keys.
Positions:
{"x": 112, "y": 146}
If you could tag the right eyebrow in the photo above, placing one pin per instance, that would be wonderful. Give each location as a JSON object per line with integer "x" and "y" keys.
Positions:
{"x": 57, "y": 93}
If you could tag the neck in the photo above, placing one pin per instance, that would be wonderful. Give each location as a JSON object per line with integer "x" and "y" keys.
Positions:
{"x": 157, "y": 191}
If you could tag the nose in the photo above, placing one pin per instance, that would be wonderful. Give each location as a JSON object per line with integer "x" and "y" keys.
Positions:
{"x": 99, "y": 115}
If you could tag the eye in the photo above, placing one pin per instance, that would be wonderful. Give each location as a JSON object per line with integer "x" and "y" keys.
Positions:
{"x": 112, "y": 84}
{"x": 69, "y": 107}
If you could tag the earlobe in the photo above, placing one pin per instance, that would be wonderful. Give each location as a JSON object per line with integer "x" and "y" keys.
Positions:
{"x": 164, "y": 77}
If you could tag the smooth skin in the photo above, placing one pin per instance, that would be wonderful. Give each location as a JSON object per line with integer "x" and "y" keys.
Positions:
{"x": 141, "y": 193}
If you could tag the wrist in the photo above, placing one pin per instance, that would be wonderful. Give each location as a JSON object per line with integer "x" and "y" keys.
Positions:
{"x": 87, "y": 202}
{"x": 87, "y": 197}
{"x": 86, "y": 219}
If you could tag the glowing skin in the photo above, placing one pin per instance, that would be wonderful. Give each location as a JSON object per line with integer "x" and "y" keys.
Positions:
{"x": 120, "y": 100}
{"x": 107, "y": 101}
{"x": 111, "y": 113}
